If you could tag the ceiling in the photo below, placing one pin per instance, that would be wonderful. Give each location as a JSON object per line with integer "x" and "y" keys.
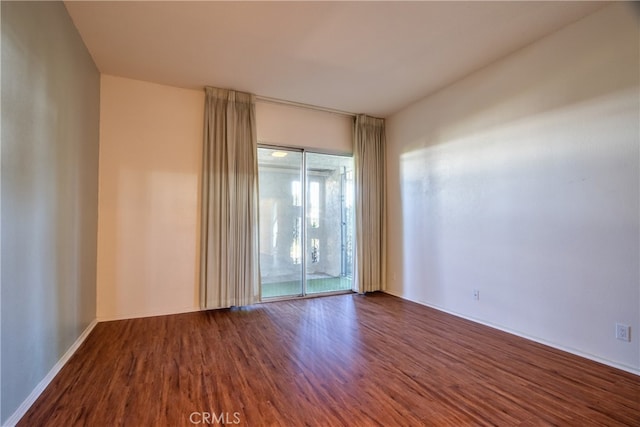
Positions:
{"x": 362, "y": 57}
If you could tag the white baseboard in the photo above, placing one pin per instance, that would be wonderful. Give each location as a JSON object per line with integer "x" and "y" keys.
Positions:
{"x": 557, "y": 346}
{"x": 148, "y": 314}
{"x": 26, "y": 404}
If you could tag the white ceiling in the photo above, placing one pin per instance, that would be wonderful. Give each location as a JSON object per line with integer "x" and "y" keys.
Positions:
{"x": 363, "y": 57}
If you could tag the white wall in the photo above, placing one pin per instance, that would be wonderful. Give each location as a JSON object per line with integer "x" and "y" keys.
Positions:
{"x": 522, "y": 181}
{"x": 150, "y": 154}
{"x": 291, "y": 126}
{"x": 149, "y": 206}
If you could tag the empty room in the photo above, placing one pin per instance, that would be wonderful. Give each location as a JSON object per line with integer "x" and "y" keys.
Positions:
{"x": 319, "y": 213}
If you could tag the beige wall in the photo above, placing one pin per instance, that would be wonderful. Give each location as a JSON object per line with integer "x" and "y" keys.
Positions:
{"x": 49, "y": 174}
{"x": 522, "y": 181}
{"x": 291, "y": 126}
{"x": 150, "y": 150}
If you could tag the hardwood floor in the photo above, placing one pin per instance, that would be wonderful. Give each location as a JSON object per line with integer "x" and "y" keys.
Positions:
{"x": 343, "y": 360}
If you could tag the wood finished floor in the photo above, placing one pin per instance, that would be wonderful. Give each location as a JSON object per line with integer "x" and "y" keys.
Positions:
{"x": 343, "y": 360}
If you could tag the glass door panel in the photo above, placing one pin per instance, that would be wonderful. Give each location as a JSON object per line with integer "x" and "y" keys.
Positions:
{"x": 281, "y": 222}
{"x": 329, "y": 223}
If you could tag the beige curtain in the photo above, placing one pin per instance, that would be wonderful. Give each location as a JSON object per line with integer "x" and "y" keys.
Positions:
{"x": 369, "y": 157}
{"x": 229, "y": 272}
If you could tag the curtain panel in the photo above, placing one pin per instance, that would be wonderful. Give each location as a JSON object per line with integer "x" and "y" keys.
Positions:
{"x": 370, "y": 215}
{"x": 229, "y": 253}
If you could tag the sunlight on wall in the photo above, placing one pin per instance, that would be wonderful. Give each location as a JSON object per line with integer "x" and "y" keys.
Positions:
{"x": 522, "y": 181}
{"x": 499, "y": 196}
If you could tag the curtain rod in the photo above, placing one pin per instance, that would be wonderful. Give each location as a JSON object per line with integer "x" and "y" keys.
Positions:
{"x": 302, "y": 105}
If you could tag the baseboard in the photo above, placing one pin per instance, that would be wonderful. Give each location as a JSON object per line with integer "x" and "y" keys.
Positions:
{"x": 148, "y": 314}
{"x": 42, "y": 385}
{"x": 557, "y": 346}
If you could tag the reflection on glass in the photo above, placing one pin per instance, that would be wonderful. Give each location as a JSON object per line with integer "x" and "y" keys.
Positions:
{"x": 315, "y": 250}
{"x": 280, "y": 178}
{"x": 329, "y": 227}
{"x": 296, "y": 193}
{"x": 314, "y": 204}
{"x": 296, "y": 252}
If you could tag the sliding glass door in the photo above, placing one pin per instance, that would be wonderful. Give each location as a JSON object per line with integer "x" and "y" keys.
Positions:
{"x": 329, "y": 215}
{"x": 280, "y": 188}
{"x": 306, "y": 217}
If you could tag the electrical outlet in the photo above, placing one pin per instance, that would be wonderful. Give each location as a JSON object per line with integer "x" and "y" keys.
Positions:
{"x": 476, "y": 294}
{"x": 623, "y": 332}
